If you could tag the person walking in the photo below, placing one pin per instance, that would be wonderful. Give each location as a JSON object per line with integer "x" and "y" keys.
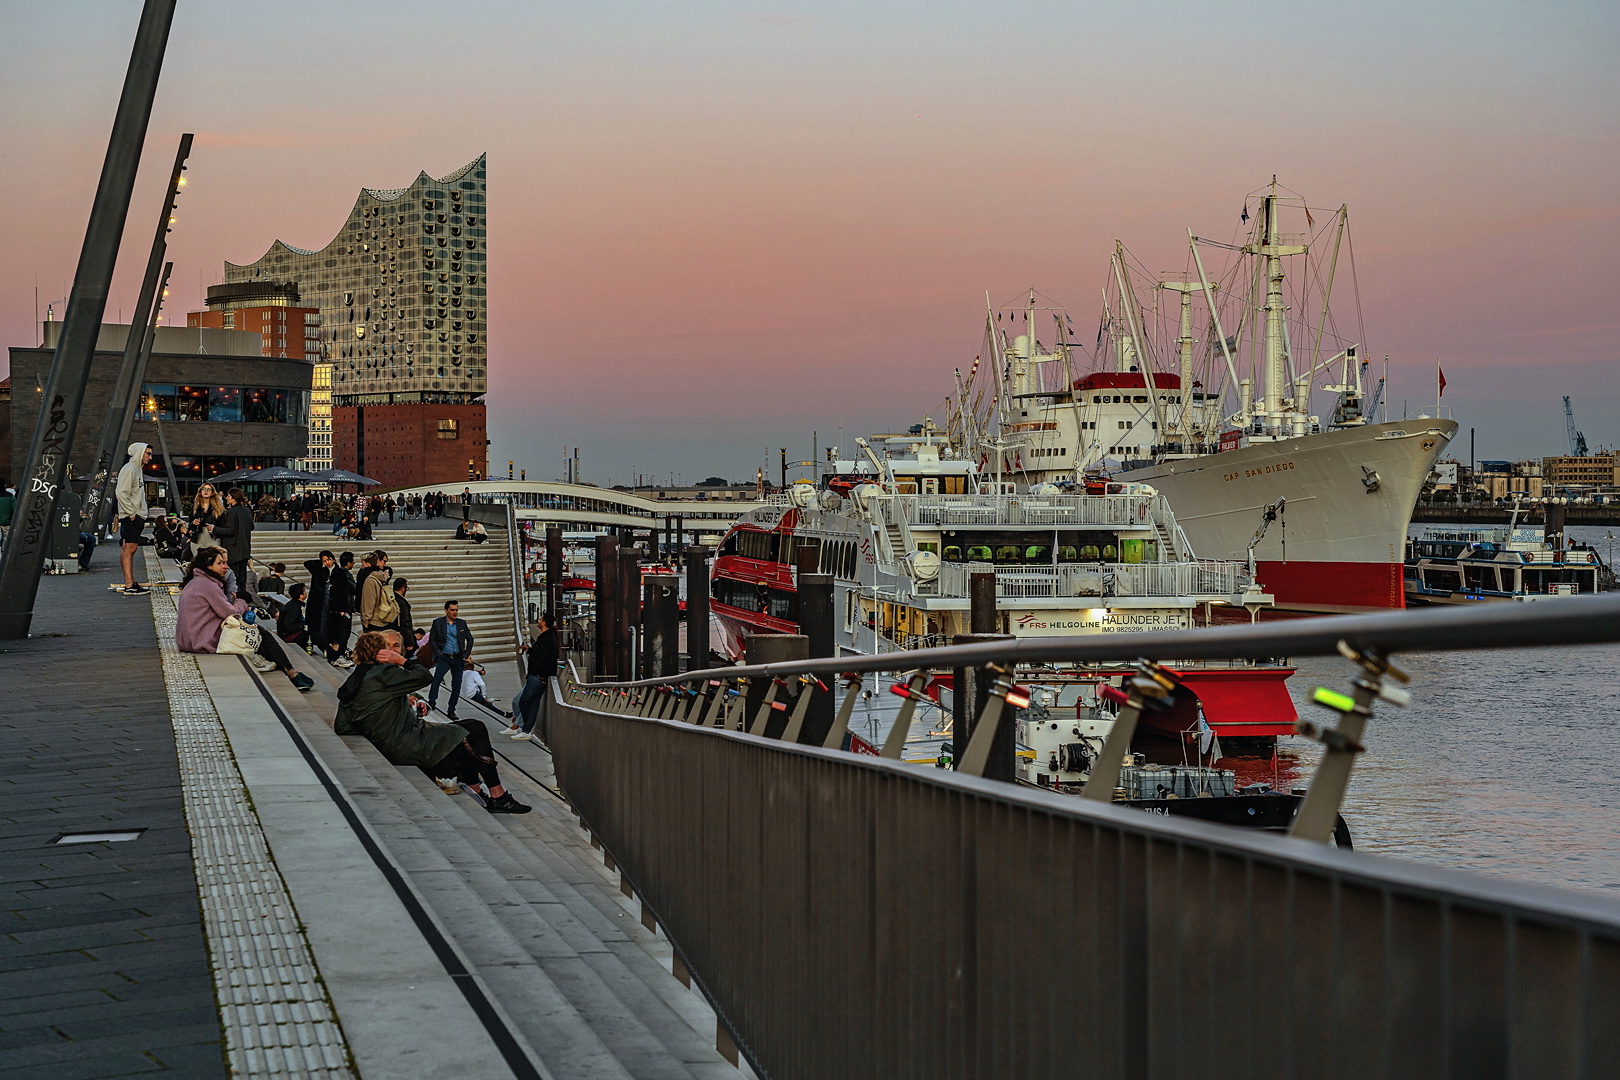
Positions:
{"x": 378, "y": 611}
{"x": 320, "y": 578}
{"x": 451, "y": 640}
{"x": 375, "y": 702}
{"x": 392, "y": 506}
{"x": 234, "y": 531}
{"x": 402, "y": 621}
{"x": 340, "y": 611}
{"x": 541, "y": 664}
{"x": 132, "y": 511}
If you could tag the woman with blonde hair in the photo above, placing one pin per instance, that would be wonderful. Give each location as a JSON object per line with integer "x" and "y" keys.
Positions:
{"x": 206, "y": 508}
{"x": 375, "y": 702}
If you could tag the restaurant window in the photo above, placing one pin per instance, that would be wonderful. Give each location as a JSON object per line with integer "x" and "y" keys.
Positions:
{"x": 191, "y": 403}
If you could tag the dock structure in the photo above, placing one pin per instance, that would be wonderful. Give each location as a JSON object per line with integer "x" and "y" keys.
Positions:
{"x": 203, "y": 877}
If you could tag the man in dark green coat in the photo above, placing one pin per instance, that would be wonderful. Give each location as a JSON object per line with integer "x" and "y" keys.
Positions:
{"x": 374, "y": 702}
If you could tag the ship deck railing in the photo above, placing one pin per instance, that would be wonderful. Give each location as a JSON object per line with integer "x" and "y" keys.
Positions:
{"x": 1111, "y": 511}
{"x": 1194, "y": 578}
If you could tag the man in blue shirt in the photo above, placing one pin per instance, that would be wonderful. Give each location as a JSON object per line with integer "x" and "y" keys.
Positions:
{"x": 452, "y": 642}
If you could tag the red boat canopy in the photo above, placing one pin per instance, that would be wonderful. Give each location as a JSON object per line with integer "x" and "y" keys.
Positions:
{"x": 1245, "y": 701}
{"x": 1115, "y": 380}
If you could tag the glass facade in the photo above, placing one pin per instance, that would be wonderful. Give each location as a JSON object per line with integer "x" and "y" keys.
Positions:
{"x": 401, "y": 289}
{"x": 226, "y": 404}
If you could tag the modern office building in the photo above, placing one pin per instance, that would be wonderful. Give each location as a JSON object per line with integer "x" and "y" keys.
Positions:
{"x": 272, "y": 309}
{"x": 401, "y": 291}
{"x": 223, "y": 405}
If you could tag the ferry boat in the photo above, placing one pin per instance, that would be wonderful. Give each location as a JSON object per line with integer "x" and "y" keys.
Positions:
{"x": 1470, "y": 566}
{"x": 1322, "y": 507}
{"x": 902, "y": 534}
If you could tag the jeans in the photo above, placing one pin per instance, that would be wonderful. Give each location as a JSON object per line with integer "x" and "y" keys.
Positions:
{"x": 454, "y": 665}
{"x": 530, "y": 703}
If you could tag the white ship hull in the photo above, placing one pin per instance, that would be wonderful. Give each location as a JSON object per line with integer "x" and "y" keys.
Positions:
{"x": 1339, "y": 544}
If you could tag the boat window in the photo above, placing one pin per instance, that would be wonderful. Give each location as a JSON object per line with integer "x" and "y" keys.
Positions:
{"x": 1090, "y": 553}
{"x": 1068, "y": 554}
{"x": 1007, "y": 554}
{"x": 1109, "y": 553}
{"x": 952, "y": 554}
{"x": 1037, "y": 554}
{"x": 956, "y": 485}
{"x": 979, "y": 553}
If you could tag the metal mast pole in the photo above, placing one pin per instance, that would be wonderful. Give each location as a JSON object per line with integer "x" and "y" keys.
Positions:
{"x": 63, "y": 396}
{"x": 127, "y": 392}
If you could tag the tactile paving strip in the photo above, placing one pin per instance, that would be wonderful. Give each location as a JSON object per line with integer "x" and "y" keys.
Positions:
{"x": 277, "y": 1018}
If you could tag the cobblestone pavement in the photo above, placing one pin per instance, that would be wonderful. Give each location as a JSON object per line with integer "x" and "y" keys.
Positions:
{"x": 103, "y": 968}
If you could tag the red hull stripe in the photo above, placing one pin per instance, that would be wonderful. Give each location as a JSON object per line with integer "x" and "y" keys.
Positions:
{"x": 1334, "y": 586}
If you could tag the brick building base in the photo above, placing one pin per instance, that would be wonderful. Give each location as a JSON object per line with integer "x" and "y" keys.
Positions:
{"x": 411, "y": 445}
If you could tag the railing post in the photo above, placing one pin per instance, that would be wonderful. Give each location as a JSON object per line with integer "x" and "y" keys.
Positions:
{"x": 808, "y": 685}
{"x": 1319, "y": 811}
{"x": 607, "y": 608}
{"x": 840, "y": 726}
{"x": 910, "y": 689}
{"x": 717, "y": 704}
{"x": 1150, "y": 686}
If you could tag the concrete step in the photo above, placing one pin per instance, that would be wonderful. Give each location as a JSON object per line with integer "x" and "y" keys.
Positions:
{"x": 534, "y": 910}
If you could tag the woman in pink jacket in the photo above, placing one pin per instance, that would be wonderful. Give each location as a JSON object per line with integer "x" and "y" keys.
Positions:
{"x": 204, "y": 607}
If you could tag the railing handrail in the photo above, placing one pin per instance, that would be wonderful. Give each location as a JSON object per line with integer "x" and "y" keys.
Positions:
{"x": 1576, "y": 620}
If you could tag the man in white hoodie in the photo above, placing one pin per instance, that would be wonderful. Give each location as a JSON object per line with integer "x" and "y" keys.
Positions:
{"x": 132, "y": 513}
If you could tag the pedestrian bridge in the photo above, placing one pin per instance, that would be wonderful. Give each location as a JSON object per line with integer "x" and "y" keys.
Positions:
{"x": 848, "y": 915}
{"x": 581, "y": 506}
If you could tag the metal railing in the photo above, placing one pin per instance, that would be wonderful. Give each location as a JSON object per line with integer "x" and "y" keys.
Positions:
{"x": 1119, "y": 511}
{"x": 854, "y": 916}
{"x": 1081, "y": 580}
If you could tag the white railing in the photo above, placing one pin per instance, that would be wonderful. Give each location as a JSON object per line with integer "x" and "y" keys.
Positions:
{"x": 1202, "y": 578}
{"x": 1111, "y": 510}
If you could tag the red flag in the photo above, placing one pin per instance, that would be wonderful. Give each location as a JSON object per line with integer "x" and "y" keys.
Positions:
{"x": 1442, "y": 372}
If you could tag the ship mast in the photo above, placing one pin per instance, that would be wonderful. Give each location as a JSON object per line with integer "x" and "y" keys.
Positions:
{"x": 1276, "y": 383}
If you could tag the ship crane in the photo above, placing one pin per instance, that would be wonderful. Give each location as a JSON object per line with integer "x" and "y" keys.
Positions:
{"x": 1272, "y": 513}
{"x": 1577, "y": 441}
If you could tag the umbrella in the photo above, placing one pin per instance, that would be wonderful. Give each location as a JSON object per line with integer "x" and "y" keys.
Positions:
{"x": 278, "y": 474}
{"x": 343, "y": 476}
{"x": 233, "y": 476}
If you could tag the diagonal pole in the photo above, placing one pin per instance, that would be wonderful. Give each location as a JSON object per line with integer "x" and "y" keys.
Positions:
{"x": 127, "y": 391}
{"x": 63, "y": 398}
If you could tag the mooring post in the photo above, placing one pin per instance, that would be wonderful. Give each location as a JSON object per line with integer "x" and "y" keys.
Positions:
{"x": 629, "y": 609}
{"x": 607, "y": 608}
{"x": 771, "y": 649}
{"x": 982, "y": 616}
{"x": 62, "y": 399}
{"x": 554, "y": 570}
{"x": 697, "y": 608}
{"x": 661, "y": 627}
{"x": 816, "y": 622}
{"x": 968, "y": 698}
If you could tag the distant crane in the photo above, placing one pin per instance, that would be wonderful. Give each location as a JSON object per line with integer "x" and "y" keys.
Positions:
{"x": 1378, "y": 396}
{"x": 1577, "y": 441}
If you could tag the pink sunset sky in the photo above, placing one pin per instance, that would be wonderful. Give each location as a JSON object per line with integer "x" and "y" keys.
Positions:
{"x": 716, "y": 228}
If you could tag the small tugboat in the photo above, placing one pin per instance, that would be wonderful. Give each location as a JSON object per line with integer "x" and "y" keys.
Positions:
{"x": 1470, "y": 566}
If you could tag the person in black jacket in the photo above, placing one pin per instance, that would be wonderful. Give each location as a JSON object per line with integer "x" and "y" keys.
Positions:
{"x": 320, "y": 576}
{"x": 541, "y": 664}
{"x": 340, "y": 611}
{"x": 403, "y": 624}
{"x": 234, "y": 531}
{"x": 452, "y": 642}
{"x": 290, "y": 621}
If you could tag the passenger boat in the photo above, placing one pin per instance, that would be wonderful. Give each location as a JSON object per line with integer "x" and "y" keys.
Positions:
{"x": 1470, "y": 566}
{"x": 1321, "y": 506}
{"x": 903, "y": 531}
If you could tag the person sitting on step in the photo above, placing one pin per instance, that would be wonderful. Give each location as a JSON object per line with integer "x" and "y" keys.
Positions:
{"x": 376, "y": 701}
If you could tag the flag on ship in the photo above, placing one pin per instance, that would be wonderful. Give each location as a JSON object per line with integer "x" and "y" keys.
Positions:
{"x": 1442, "y": 376}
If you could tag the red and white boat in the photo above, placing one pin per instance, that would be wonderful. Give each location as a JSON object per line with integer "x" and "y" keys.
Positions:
{"x": 1321, "y": 508}
{"x": 903, "y": 528}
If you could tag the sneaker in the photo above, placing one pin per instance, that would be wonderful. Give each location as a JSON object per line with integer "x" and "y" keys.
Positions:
{"x": 136, "y": 589}
{"x": 511, "y": 729}
{"x": 453, "y": 718}
{"x": 448, "y": 785}
{"x": 301, "y": 682}
{"x": 260, "y": 664}
{"x": 515, "y": 733}
{"x": 483, "y": 800}
{"x": 506, "y": 805}
{"x": 343, "y": 662}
